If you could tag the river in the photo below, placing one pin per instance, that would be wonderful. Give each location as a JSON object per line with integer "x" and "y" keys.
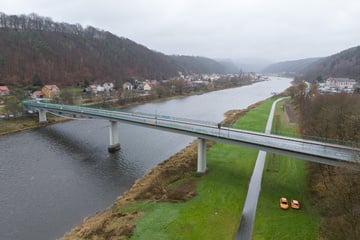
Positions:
{"x": 53, "y": 177}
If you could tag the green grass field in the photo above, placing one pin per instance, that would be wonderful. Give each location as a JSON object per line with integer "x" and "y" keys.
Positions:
{"x": 214, "y": 213}
{"x": 284, "y": 177}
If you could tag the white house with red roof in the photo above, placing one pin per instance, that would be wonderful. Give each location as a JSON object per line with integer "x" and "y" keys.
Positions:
{"x": 4, "y": 90}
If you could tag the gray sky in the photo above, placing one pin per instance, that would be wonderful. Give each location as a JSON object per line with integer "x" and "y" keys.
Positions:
{"x": 275, "y": 30}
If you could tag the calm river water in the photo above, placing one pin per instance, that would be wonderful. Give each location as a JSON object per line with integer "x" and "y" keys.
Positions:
{"x": 53, "y": 177}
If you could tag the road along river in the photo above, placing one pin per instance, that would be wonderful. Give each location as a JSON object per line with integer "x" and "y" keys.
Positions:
{"x": 53, "y": 177}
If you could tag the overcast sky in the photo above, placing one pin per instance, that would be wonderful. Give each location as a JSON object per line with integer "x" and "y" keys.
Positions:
{"x": 274, "y": 30}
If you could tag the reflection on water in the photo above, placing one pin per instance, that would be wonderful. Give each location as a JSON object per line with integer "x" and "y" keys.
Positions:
{"x": 53, "y": 177}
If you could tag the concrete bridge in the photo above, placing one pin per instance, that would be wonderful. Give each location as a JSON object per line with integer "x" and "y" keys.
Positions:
{"x": 331, "y": 154}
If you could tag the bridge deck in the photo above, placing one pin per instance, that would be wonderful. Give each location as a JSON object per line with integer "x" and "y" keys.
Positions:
{"x": 331, "y": 154}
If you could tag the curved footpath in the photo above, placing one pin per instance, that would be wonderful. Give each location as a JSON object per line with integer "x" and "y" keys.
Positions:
{"x": 249, "y": 210}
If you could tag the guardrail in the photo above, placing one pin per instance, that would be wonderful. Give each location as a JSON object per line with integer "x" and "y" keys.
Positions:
{"x": 306, "y": 149}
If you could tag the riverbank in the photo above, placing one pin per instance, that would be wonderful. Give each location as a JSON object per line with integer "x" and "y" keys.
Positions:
{"x": 75, "y": 155}
{"x": 144, "y": 100}
{"x": 172, "y": 201}
{"x": 13, "y": 125}
{"x": 175, "y": 181}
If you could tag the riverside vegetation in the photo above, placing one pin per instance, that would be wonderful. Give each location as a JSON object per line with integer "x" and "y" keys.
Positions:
{"x": 335, "y": 191}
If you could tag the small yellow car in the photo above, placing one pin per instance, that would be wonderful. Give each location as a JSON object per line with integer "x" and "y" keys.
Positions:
{"x": 284, "y": 204}
{"x": 295, "y": 204}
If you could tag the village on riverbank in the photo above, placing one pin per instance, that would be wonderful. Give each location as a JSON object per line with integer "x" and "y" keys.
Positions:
{"x": 16, "y": 118}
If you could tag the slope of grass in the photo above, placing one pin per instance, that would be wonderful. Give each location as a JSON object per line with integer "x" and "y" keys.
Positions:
{"x": 148, "y": 212}
{"x": 216, "y": 210}
{"x": 284, "y": 177}
{"x": 13, "y": 125}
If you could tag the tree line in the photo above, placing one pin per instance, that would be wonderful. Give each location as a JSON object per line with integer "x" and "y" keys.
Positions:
{"x": 35, "y": 22}
{"x": 335, "y": 190}
{"x": 68, "y": 54}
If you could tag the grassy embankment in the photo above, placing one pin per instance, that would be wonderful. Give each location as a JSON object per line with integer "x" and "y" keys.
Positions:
{"x": 154, "y": 208}
{"x": 13, "y": 125}
{"x": 285, "y": 177}
{"x": 214, "y": 213}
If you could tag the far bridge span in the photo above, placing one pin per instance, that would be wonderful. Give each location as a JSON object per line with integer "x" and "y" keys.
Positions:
{"x": 325, "y": 153}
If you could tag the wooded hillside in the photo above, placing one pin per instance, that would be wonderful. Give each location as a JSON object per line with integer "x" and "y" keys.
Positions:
{"x": 343, "y": 64}
{"x": 292, "y": 67}
{"x": 32, "y": 46}
{"x": 335, "y": 190}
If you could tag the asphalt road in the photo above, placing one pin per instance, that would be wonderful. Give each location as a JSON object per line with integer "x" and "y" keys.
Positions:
{"x": 248, "y": 215}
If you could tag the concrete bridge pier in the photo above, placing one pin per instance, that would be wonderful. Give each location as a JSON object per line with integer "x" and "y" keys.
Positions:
{"x": 114, "y": 137}
{"x": 42, "y": 116}
{"x": 201, "y": 160}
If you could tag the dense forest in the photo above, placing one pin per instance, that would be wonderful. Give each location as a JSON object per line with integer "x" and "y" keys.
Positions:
{"x": 343, "y": 64}
{"x": 291, "y": 67}
{"x": 191, "y": 64}
{"x": 335, "y": 190}
{"x": 32, "y": 46}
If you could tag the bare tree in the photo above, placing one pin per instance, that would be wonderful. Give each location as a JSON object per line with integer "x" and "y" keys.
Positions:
{"x": 335, "y": 117}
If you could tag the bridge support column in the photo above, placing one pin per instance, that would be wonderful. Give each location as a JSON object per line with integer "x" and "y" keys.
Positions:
{"x": 114, "y": 137}
{"x": 201, "y": 160}
{"x": 42, "y": 116}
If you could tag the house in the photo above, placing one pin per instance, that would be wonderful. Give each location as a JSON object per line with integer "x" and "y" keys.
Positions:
{"x": 108, "y": 86}
{"x": 92, "y": 88}
{"x": 340, "y": 83}
{"x": 100, "y": 88}
{"x": 4, "y": 90}
{"x": 127, "y": 86}
{"x": 147, "y": 86}
{"x": 154, "y": 83}
{"x": 51, "y": 91}
{"x": 37, "y": 94}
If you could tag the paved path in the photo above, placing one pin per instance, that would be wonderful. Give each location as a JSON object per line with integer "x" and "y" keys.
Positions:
{"x": 248, "y": 215}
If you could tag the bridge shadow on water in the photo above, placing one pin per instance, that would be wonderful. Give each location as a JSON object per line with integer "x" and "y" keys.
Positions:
{"x": 91, "y": 153}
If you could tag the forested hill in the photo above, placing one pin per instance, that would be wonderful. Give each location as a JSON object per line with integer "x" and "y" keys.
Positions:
{"x": 68, "y": 54}
{"x": 191, "y": 64}
{"x": 343, "y": 64}
{"x": 291, "y": 67}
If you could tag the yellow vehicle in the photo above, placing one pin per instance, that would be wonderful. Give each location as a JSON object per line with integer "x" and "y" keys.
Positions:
{"x": 295, "y": 204}
{"x": 284, "y": 204}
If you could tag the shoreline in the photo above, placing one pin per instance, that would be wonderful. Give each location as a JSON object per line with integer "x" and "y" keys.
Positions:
{"x": 153, "y": 186}
{"x": 31, "y": 122}
{"x": 22, "y": 125}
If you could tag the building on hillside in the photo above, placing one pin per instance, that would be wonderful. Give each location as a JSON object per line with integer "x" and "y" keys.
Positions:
{"x": 37, "y": 94}
{"x": 100, "y": 89}
{"x": 108, "y": 86}
{"x": 341, "y": 83}
{"x": 51, "y": 91}
{"x": 127, "y": 86}
{"x": 93, "y": 88}
{"x": 147, "y": 86}
{"x": 4, "y": 90}
{"x": 154, "y": 82}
